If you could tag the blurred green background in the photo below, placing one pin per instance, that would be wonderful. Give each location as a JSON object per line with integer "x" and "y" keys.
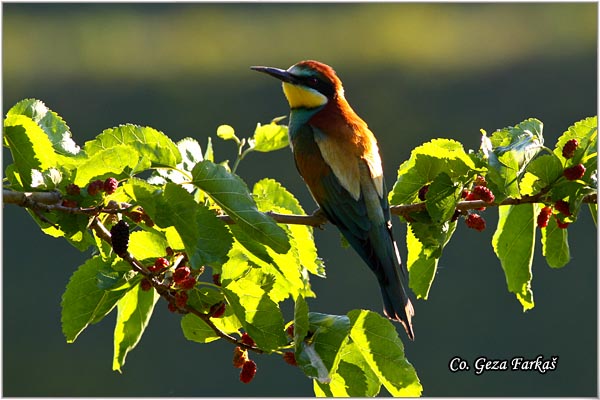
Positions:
{"x": 412, "y": 71}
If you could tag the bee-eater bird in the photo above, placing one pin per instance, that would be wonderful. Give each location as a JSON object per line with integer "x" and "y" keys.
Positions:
{"x": 338, "y": 158}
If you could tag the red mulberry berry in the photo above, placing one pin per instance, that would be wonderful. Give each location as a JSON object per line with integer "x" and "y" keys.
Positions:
{"x": 159, "y": 264}
{"x": 240, "y": 356}
{"x": 483, "y": 193}
{"x": 422, "y": 192}
{"x": 569, "y": 148}
{"x": 69, "y": 203}
{"x": 247, "y": 340}
{"x": 187, "y": 283}
{"x": 290, "y": 358}
{"x": 480, "y": 181}
{"x": 95, "y": 187}
{"x": 172, "y": 307}
{"x": 561, "y": 225}
{"x": 73, "y": 190}
{"x": 563, "y": 207}
{"x": 575, "y": 172}
{"x": 120, "y": 237}
{"x": 181, "y": 299}
{"x": 216, "y": 279}
{"x": 110, "y": 185}
{"x": 475, "y": 221}
{"x": 145, "y": 285}
{"x": 248, "y": 371}
{"x": 290, "y": 330}
{"x": 181, "y": 273}
{"x": 217, "y": 310}
{"x": 544, "y": 216}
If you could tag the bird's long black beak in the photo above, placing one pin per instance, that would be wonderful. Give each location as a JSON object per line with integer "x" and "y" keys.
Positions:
{"x": 280, "y": 74}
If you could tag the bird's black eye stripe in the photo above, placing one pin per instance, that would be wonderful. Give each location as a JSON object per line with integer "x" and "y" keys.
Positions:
{"x": 322, "y": 86}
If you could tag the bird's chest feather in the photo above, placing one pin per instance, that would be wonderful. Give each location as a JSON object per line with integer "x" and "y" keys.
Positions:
{"x": 317, "y": 155}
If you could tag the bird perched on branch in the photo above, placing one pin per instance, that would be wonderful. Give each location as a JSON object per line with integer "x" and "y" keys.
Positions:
{"x": 338, "y": 158}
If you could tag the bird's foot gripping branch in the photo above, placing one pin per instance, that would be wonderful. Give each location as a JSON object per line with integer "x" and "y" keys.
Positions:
{"x": 193, "y": 237}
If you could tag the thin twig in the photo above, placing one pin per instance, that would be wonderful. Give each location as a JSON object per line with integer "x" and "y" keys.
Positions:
{"x": 316, "y": 219}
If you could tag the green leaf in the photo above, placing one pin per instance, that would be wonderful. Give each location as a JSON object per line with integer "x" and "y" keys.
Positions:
{"x": 300, "y": 321}
{"x": 555, "y": 245}
{"x": 205, "y": 237}
{"x": 259, "y": 315}
{"x": 133, "y": 316}
{"x": 269, "y": 137}
{"x": 83, "y": 303}
{"x": 231, "y": 194}
{"x": 441, "y": 198}
{"x": 51, "y": 123}
{"x": 191, "y": 154}
{"x": 378, "y": 342}
{"x": 353, "y": 376}
{"x": 153, "y": 147}
{"x": 426, "y": 162}
{"x": 513, "y": 243}
{"x": 147, "y": 244}
{"x": 270, "y": 195}
{"x": 196, "y": 330}
{"x": 425, "y": 243}
{"x": 29, "y": 145}
{"x": 319, "y": 354}
{"x": 209, "y": 154}
{"x": 586, "y": 133}
{"x": 508, "y": 152}
{"x": 540, "y": 173}
{"x": 118, "y": 161}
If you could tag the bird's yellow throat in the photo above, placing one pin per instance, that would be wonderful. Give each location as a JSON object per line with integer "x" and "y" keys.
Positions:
{"x": 301, "y": 97}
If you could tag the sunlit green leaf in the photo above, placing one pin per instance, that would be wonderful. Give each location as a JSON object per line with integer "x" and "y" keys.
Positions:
{"x": 426, "y": 162}
{"x": 424, "y": 243}
{"x": 151, "y": 145}
{"x": 231, "y": 194}
{"x": 378, "y": 342}
{"x": 29, "y": 145}
{"x": 508, "y": 151}
{"x": 318, "y": 355}
{"x": 353, "y": 376}
{"x": 197, "y": 330}
{"x": 586, "y": 134}
{"x": 540, "y": 173}
{"x": 270, "y": 137}
{"x": 191, "y": 154}
{"x": 259, "y": 315}
{"x": 206, "y": 238}
{"x": 271, "y": 195}
{"x": 53, "y": 125}
{"x": 118, "y": 161}
{"x": 513, "y": 243}
{"x": 83, "y": 303}
{"x": 133, "y": 316}
{"x": 555, "y": 245}
{"x": 147, "y": 244}
{"x": 442, "y": 197}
